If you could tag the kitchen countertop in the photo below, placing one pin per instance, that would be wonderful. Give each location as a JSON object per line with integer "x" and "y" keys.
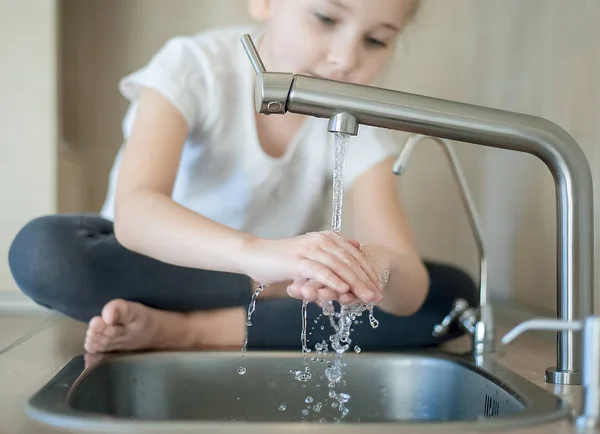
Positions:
{"x": 42, "y": 345}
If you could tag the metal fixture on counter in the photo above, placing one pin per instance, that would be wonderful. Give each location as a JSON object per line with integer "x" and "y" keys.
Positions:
{"x": 476, "y": 321}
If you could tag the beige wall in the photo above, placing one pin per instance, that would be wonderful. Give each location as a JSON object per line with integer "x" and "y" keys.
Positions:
{"x": 537, "y": 56}
{"x": 28, "y": 117}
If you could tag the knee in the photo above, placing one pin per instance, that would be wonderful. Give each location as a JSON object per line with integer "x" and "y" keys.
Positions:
{"x": 39, "y": 258}
{"x": 449, "y": 282}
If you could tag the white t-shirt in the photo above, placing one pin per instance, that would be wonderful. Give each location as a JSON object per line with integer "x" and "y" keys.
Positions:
{"x": 224, "y": 174}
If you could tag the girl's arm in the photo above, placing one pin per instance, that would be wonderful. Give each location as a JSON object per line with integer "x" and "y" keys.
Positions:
{"x": 148, "y": 221}
{"x": 381, "y": 226}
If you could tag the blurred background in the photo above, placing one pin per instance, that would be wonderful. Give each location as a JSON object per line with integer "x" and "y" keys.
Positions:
{"x": 60, "y": 116}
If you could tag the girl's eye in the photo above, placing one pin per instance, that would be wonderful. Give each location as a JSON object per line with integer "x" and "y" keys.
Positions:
{"x": 376, "y": 42}
{"x": 325, "y": 19}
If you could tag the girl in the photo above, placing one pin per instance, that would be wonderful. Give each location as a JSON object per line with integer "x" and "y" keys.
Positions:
{"x": 207, "y": 199}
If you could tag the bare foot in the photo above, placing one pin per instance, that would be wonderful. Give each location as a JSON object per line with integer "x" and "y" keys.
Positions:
{"x": 130, "y": 326}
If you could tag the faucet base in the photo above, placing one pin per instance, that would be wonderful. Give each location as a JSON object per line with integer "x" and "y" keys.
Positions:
{"x": 571, "y": 378}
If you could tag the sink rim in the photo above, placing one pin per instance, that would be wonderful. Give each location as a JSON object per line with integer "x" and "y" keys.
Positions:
{"x": 49, "y": 405}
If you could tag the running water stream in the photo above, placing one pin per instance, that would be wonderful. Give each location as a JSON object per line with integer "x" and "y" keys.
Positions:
{"x": 340, "y": 340}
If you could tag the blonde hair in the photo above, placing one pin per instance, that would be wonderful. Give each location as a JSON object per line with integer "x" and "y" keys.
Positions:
{"x": 413, "y": 11}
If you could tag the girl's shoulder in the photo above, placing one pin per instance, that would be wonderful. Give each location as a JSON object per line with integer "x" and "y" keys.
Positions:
{"x": 191, "y": 70}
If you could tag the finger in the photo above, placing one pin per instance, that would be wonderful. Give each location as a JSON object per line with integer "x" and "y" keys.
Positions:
{"x": 309, "y": 293}
{"x": 294, "y": 294}
{"x": 347, "y": 298}
{"x": 293, "y": 289}
{"x": 353, "y": 243}
{"x": 362, "y": 260}
{"x": 313, "y": 269}
{"x": 320, "y": 292}
{"x": 368, "y": 265}
{"x": 346, "y": 267}
{"x": 324, "y": 295}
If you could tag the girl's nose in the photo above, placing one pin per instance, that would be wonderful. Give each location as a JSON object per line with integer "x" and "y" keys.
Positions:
{"x": 343, "y": 58}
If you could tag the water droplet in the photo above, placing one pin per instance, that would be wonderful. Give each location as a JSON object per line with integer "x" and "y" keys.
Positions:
{"x": 305, "y": 412}
{"x": 357, "y": 349}
{"x": 282, "y": 407}
{"x": 343, "y": 398}
{"x": 334, "y": 404}
{"x": 309, "y": 399}
{"x": 241, "y": 370}
{"x": 304, "y": 376}
{"x": 322, "y": 327}
{"x": 332, "y": 393}
{"x": 317, "y": 407}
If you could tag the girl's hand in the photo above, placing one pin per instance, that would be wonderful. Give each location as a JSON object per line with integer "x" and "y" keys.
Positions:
{"x": 325, "y": 257}
{"x": 311, "y": 290}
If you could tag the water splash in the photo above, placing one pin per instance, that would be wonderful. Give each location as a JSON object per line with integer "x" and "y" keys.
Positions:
{"x": 242, "y": 370}
{"x": 306, "y": 375}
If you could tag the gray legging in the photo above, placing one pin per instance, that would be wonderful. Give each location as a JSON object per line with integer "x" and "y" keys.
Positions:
{"x": 73, "y": 264}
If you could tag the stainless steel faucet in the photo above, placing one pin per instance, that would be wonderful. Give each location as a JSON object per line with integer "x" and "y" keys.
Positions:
{"x": 476, "y": 321}
{"x": 347, "y": 106}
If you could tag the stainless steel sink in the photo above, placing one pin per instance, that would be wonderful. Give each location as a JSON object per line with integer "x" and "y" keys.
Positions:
{"x": 203, "y": 391}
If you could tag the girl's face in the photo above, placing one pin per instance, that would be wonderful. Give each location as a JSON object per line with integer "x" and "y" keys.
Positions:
{"x": 345, "y": 40}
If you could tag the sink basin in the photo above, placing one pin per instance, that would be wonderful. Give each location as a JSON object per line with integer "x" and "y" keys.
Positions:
{"x": 200, "y": 391}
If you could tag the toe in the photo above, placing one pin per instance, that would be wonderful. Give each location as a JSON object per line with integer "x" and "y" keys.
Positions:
{"x": 117, "y": 312}
{"x": 96, "y": 325}
{"x": 113, "y": 332}
{"x": 100, "y": 337}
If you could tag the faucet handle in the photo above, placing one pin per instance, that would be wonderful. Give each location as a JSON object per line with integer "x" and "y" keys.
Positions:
{"x": 271, "y": 88}
{"x": 541, "y": 324}
{"x": 590, "y": 414}
{"x": 459, "y": 307}
{"x": 253, "y": 56}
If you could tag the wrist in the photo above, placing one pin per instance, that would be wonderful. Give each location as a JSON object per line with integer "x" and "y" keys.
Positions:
{"x": 245, "y": 250}
{"x": 383, "y": 258}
